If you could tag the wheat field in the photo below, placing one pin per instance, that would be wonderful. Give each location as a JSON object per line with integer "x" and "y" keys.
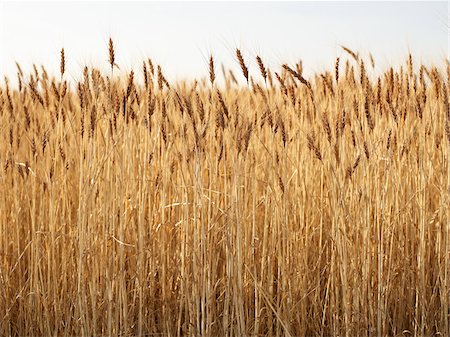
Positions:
{"x": 250, "y": 203}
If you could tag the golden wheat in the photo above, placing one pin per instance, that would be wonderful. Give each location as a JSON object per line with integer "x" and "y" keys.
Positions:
{"x": 195, "y": 209}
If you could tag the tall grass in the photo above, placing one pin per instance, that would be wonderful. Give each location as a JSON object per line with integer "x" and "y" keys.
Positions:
{"x": 287, "y": 206}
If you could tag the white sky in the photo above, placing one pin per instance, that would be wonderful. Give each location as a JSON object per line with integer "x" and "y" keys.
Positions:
{"x": 180, "y": 35}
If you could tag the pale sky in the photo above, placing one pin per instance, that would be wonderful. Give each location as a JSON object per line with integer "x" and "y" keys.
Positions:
{"x": 181, "y": 35}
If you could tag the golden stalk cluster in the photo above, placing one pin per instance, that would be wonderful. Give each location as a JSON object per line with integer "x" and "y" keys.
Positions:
{"x": 288, "y": 206}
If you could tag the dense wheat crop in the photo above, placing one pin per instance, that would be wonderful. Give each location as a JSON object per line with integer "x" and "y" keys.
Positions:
{"x": 252, "y": 203}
